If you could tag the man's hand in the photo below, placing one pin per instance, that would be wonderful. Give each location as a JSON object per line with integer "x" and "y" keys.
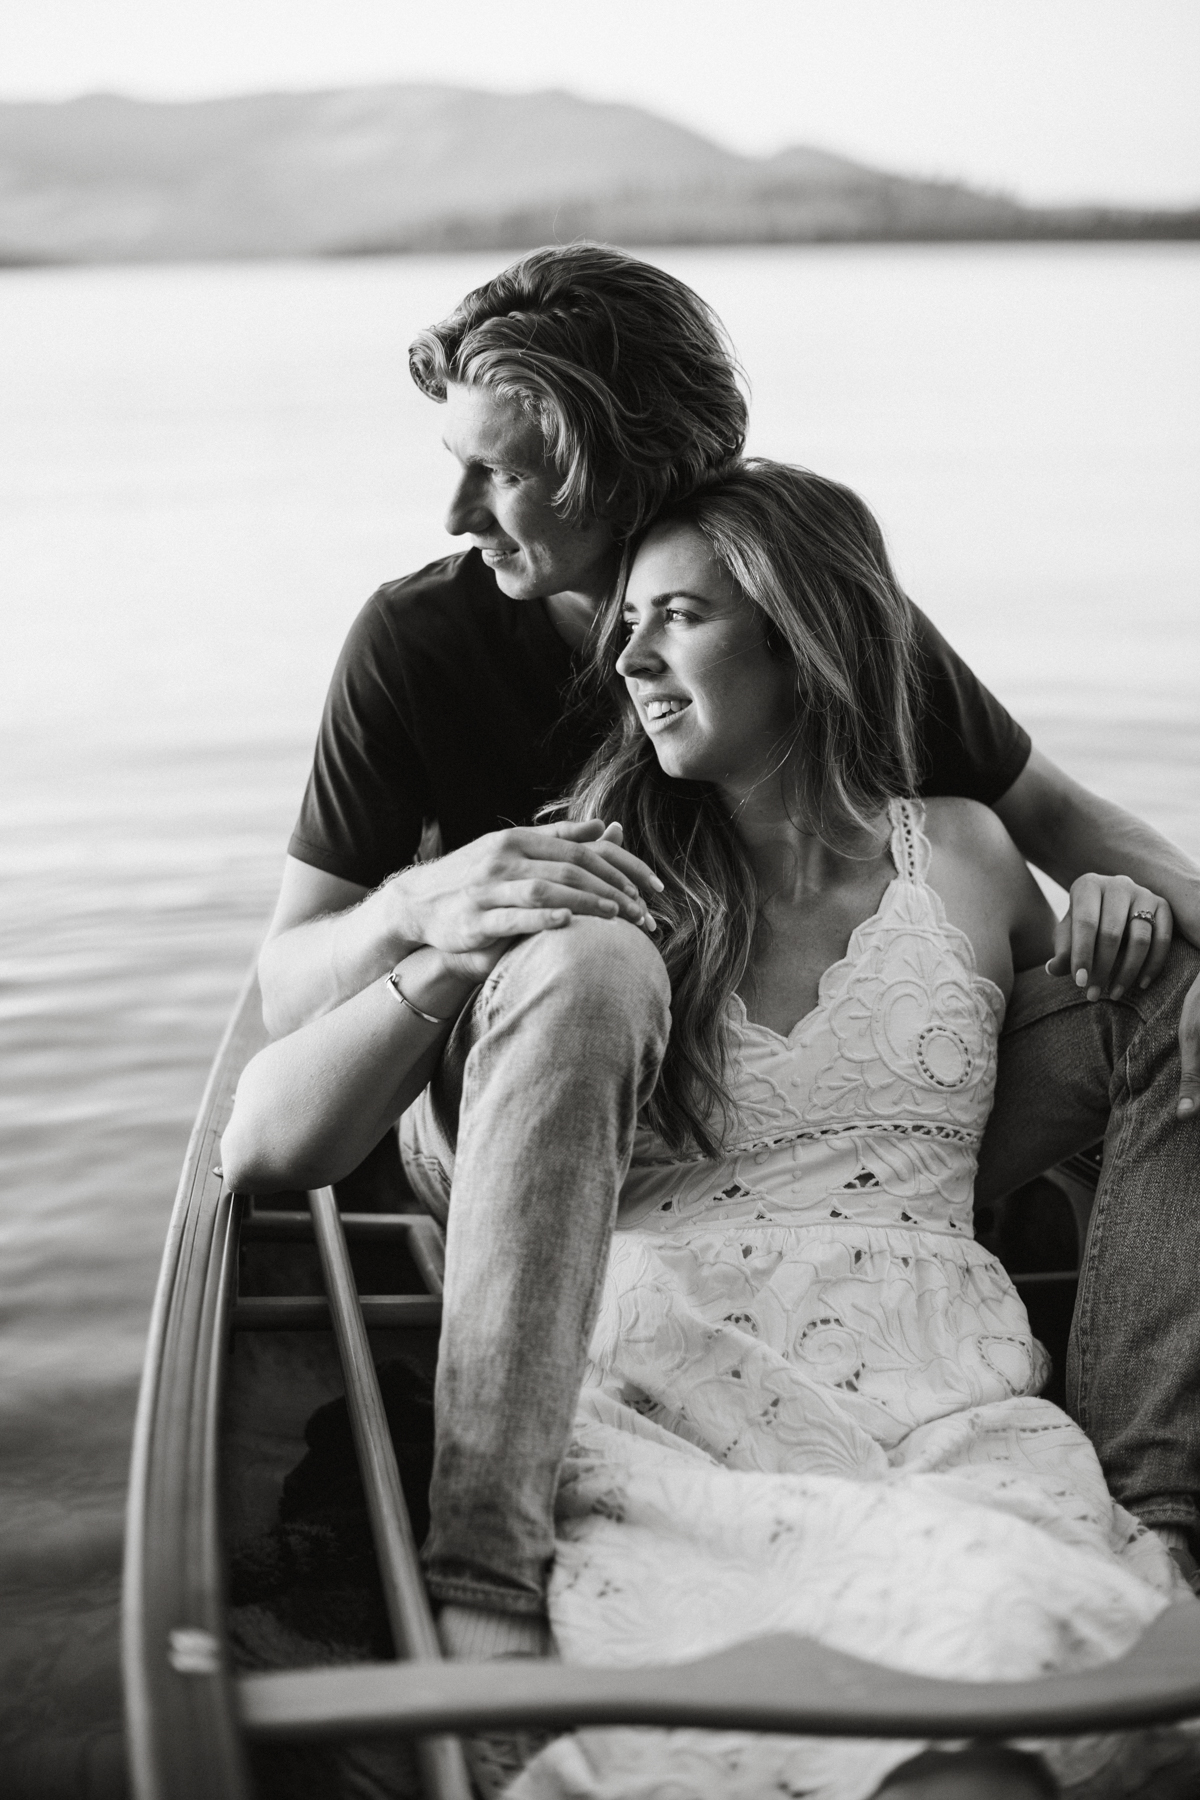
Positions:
{"x": 527, "y": 879}
{"x": 1113, "y": 933}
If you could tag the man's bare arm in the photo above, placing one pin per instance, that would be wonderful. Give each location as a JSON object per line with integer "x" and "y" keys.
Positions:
{"x": 330, "y": 938}
{"x": 1068, "y": 831}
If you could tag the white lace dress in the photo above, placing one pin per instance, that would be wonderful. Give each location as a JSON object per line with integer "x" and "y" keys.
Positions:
{"x": 811, "y": 1398}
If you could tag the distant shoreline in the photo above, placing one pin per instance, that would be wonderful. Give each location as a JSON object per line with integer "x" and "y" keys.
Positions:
{"x": 1170, "y": 228}
{"x": 417, "y": 169}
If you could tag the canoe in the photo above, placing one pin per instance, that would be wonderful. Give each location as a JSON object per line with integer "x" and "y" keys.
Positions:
{"x": 277, "y": 1638}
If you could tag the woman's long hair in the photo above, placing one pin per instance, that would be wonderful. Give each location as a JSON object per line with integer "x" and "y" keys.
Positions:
{"x": 811, "y": 557}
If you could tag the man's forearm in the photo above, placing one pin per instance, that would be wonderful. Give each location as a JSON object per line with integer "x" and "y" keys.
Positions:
{"x": 1067, "y": 831}
{"x": 308, "y": 969}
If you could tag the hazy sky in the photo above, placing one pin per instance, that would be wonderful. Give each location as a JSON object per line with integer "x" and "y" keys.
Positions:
{"x": 1054, "y": 99}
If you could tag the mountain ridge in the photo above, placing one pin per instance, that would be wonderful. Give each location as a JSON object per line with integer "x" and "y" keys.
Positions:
{"x": 421, "y": 166}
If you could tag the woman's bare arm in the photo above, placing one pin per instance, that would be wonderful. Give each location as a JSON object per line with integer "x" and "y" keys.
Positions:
{"x": 312, "y": 1105}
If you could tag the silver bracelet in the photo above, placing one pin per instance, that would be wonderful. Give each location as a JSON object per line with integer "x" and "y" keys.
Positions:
{"x": 392, "y": 984}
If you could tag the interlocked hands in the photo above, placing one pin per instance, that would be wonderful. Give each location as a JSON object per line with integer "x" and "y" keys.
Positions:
{"x": 473, "y": 902}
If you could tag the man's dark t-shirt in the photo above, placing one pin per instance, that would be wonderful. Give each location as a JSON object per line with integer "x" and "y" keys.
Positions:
{"x": 449, "y": 704}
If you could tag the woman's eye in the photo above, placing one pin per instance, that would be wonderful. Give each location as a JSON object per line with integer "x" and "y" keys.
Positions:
{"x": 679, "y": 612}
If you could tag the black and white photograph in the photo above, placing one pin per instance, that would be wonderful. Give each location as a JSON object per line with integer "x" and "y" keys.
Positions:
{"x": 600, "y": 958}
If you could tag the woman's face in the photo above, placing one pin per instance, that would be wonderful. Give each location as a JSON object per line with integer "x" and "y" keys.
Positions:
{"x": 715, "y": 703}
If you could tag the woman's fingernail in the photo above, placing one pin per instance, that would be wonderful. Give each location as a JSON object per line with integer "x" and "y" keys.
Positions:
{"x": 650, "y": 922}
{"x": 1093, "y": 993}
{"x": 1115, "y": 993}
{"x": 1144, "y": 982}
{"x": 656, "y": 884}
{"x": 1050, "y": 967}
{"x": 1186, "y": 1106}
{"x": 1081, "y": 976}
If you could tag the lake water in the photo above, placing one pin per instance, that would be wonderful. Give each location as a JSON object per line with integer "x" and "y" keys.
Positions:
{"x": 203, "y": 472}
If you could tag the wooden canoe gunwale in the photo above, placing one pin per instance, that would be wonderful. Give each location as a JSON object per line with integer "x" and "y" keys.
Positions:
{"x": 189, "y": 1720}
{"x": 181, "y": 1718}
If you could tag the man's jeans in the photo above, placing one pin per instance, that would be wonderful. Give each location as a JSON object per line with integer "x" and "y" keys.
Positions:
{"x": 529, "y": 1122}
{"x": 1071, "y": 1072}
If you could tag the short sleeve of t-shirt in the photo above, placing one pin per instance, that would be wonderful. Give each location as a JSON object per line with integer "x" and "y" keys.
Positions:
{"x": 368, "y": 785}
{"x": 449, "y": 704}
{"x": 968, "y": 744}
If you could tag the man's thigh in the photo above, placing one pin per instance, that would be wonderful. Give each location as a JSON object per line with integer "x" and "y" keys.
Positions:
{"x": 1063, "y": 1062}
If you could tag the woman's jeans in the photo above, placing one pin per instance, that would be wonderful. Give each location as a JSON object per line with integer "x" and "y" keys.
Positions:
{"x": 524, "y": 1137}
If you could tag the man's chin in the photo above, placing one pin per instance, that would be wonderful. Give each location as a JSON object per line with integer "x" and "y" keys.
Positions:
{"x": 514, "y": 580}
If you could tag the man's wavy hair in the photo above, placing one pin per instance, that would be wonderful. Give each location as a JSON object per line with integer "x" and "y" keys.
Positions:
{"x": 809, "y": 555}
{"x": 629, "y": 374}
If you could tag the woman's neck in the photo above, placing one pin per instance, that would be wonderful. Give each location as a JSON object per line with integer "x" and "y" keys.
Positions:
{"x": 791, "y": 862}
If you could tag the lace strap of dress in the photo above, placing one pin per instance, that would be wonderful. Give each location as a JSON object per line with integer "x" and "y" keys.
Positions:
{"x": 910, "y": 847}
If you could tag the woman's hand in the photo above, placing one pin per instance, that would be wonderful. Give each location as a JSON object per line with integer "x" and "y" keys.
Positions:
{"x": 1113, "y": 934}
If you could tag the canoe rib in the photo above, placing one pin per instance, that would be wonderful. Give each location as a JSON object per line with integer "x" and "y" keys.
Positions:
{"x": 413, "y": 1631}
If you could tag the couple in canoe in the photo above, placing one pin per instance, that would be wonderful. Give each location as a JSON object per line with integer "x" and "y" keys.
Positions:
{"x": 704, "y": 1067}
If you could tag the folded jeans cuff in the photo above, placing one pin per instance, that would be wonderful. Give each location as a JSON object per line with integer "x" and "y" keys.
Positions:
{"x": 489, "y": 1596}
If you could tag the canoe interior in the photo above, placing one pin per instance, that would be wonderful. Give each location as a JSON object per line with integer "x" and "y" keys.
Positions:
{"x": 276, "y": 1647}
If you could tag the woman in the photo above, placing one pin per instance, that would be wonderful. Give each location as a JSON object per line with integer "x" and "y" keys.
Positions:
{"x": 811, "y": 1397}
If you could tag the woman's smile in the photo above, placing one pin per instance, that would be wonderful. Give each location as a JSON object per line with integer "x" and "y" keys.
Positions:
{"x": 657, "y": 713}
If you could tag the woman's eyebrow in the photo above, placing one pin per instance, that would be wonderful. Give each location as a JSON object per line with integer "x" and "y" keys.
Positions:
{"x": 664, "y": 599}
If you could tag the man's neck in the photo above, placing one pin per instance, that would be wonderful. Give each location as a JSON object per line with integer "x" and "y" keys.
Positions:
{"x": 571, "y": 616}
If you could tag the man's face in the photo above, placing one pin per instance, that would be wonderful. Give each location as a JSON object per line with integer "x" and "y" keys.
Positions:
{"x": 502, "y": 502}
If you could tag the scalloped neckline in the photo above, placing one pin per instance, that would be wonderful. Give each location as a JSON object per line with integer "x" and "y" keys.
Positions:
{"x": 959, "y": 942}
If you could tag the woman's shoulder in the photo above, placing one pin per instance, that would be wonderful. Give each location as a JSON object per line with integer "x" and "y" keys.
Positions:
{"x": 969, "y": 829}
{"x": 983, "y": 879}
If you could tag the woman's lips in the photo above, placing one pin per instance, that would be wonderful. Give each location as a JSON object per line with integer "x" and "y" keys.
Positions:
{"x": 492, "y": 556}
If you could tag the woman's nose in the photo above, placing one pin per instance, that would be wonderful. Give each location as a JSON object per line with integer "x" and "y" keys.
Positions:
{"x": 639, "y": 653}
{"x": 468, "y": 509}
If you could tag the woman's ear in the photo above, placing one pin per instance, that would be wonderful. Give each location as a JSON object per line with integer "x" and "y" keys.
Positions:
{"x": 777, "y": 644}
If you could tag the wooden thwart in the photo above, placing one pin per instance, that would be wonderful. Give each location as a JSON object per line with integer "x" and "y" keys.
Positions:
{"x": 384, "y": 1312}
{"x": 782, "y": 1684}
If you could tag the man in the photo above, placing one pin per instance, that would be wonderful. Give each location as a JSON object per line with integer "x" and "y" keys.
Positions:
{"x": 581, "y": 391}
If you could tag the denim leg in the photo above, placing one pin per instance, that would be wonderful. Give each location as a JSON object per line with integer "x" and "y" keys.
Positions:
{"x": 528, "y": 1126}
{"x": 1070, "y": 1072}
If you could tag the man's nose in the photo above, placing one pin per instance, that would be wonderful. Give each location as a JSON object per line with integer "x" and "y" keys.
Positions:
{"x": 468, "y": 509}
